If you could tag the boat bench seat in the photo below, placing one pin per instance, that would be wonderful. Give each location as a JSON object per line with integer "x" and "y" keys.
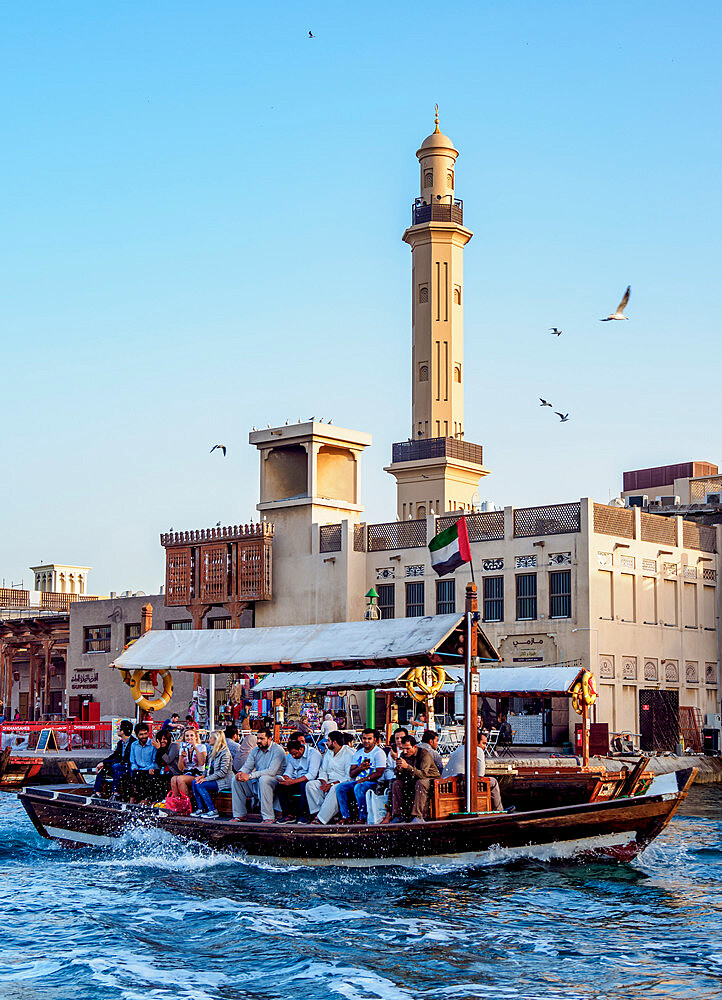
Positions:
{"x": 449, "y": 796}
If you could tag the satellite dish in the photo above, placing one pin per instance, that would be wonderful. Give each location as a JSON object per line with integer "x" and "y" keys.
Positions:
{"x": 476, "y": 501}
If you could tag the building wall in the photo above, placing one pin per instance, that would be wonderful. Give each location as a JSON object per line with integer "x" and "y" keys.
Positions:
{"x": 89, "y": 674}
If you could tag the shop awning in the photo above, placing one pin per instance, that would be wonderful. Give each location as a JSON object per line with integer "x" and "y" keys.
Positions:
{"x": 343, "y": 680}
{"x": 515, "y": 681}
{"x": 401, "y": 641}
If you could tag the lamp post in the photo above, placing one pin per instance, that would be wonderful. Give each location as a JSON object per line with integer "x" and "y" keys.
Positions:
{"x": 596, "y": 631}
{"x": 373, "y": 614}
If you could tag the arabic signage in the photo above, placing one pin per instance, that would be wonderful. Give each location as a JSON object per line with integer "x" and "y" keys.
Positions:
{"x": 84, "y": 680}
{"x": 528, "y": 649}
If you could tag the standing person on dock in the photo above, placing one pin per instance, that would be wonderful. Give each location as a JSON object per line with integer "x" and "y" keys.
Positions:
{"x": 259, "y": 777}
{"x": 118, "y": 763}
{"x": 410, "y": 789}
{"x": 369, "y": 763}
{"x": 456, "y": 765}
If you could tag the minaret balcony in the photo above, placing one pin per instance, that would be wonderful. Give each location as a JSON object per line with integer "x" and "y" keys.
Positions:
{"x": 439, "y": 211}
{"x": 440, "y": 447}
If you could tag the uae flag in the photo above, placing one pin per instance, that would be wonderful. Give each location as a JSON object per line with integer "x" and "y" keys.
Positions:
{"x": 450, "y": 548}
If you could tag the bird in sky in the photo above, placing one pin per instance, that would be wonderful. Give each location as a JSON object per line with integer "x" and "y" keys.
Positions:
{"x": 311, "y": 34}
{"x": 619, "y": 314}
{"x": 221, "y": 446}
{"x": 543, "y": 402}
{"x": 562, "y": 416}
{"x": 554, "y": 332}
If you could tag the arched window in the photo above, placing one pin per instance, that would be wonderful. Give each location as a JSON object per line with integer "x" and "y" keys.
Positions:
{"x": 450, "y": 180}
{"x": 428, "y": 178}
{"x": 423, "y": 373}
{"x": 457, "y": 373}
{"x": 421, "y": 511}
{"x": 423, "y": 293}
{"x": 457, "y": 295}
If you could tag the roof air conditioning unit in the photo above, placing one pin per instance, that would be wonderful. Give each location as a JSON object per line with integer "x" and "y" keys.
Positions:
{"x": 640, "y": 500}
{"x": 715, "y": 498}
{"x": 655, "y": 503}
{"x": 670, "y": 501}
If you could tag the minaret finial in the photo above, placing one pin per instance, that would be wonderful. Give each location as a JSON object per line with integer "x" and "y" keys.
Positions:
{"x": 436, "y": 118}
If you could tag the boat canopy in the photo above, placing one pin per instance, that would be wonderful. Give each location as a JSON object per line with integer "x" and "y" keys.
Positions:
{"x": 399, "y": 642}
{"x": 344, "y": 680}
{"x": 514, "y": 681}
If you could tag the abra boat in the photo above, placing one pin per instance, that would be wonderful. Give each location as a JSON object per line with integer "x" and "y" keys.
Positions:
{"x": 618, "y": 828}
{"x": 590, "y": 813}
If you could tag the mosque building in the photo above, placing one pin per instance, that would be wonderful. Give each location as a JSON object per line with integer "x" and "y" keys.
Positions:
{"x": 628, "y": 592}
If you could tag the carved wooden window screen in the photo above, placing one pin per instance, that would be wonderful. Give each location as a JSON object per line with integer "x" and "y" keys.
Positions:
{"x": 178, "y": 576}
{"x": 214, "y": 573}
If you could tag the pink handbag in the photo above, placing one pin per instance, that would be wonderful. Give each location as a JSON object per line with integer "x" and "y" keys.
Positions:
{"x": 180, "y": 804}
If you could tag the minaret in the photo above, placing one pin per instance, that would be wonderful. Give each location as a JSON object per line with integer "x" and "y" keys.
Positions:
{"x": 436, "y": 469}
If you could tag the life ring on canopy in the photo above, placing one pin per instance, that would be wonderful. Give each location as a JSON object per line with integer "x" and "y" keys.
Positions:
{"x": 417, "y": 682}
{"x": 577, "y": 698}
{"x": 140, "y": 699}
{"x": 589, "y": 690}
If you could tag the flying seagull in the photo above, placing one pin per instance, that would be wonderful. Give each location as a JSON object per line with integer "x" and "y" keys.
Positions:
{"x": 619, "y": 314}
{"x": 221, "y": 446}
{"x": 311, "y": 34}
{"x": 562, "y": 416}
{"x": 554, "y": 332}
{"x": 543, "y": 402}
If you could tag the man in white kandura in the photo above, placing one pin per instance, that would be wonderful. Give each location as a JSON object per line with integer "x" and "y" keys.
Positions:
{"x": 456, "y": 764}
{"x": 259, "y": 777}
{"x": 335, "y": 767}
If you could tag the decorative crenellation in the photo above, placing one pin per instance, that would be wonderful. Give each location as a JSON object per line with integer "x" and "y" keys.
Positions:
{"x": 233, "y": 533}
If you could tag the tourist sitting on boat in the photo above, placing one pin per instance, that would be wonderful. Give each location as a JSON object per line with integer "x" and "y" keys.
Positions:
{"x": 456, "y": 764}
{"x": 218, "y": 777}
{"x": 167, "y": 753}
{"x": 191, "y": 763}
{"x": 304, "y": 726}
{"x": 335, "y": 768}
{"x": 430, "y": 742}
{"x": 138, "y": 782}
{"x": 369, "y": 763}
{"x": 233, "y": 741}
{"x": 247, "y": 743}
{"x": 259, "y": 777}
{"x": 410, "y": 789}
{"x": 118, "y": 763}
{"x": 302, "y": 764}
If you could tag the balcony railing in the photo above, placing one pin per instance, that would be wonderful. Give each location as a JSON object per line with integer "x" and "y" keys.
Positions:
{"x": 440, "y": 211}
{"x": 440, "y": 447}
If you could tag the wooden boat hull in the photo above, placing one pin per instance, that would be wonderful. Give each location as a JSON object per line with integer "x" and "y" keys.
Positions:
{"x": 619, "y": 829}
{"x": 15, "y": 772}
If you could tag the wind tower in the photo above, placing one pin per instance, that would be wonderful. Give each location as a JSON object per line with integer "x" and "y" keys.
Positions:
{"x": 436, "y": 468}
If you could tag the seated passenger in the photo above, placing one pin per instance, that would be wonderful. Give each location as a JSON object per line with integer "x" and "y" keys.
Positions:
{"x": 217, "y": 779}
{"x": 304, "y": 726}
{"x": 430, "y": 742}
{"x": 410, "y": 789}
{"x": 118, "y": 763}
{"x": 368, "y": 764}
{"x": 167, "y": 754}
{"x": 191, "y": 763}
{"x": 138, "y": 783}
{"x": 302, "y": 765}
{"x": 259, "y": 777}
{"x": 233, "y": 741}
{"x": 321, "y": 791}
{"x": 456, "y": 764}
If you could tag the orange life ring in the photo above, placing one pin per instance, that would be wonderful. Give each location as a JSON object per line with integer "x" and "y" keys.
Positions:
{"x": 589, "y": 688}
{"x": 577, "y": 698}
{"x": 416, "y": 679}
{"x": 145, "y": 703}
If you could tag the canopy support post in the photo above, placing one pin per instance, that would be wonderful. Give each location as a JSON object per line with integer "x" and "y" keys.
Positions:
{"x": 585, "y": 733}
{"x": 470, "y": 701}
{"x": 371, "y": 708}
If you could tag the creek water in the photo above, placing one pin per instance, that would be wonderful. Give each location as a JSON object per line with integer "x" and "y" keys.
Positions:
{"x": 156, "y": 919}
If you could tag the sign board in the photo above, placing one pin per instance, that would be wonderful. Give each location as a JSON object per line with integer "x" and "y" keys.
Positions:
{"x": 46, "y": 741}
{"x": 475, "y": 683}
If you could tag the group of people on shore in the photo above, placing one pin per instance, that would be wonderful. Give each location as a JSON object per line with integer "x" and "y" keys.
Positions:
{"x": 370, "y": 784}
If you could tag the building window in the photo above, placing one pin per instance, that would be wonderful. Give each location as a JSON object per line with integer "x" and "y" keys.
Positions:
{"x": 457, "y": 302}
{"x": 132, "y": 632}
{"x": 387, "y": 600}
{"x": 445, "y": 597}
{"x": 423, "y": 373}
{"x": 560, "y": 594}
{"x": 96, "y": 639}
{"x": 525, "y": 597}
{"x": 457, "y": 373}
{"x": 414, "y": 600}
{"x": 450, "y": 181}
{"x": 219, "y": 623}
{"x": 423, "y": 293}
{"x": 428, "y": 178}
{"x": 178, "y": 626}
{"x": 493, "y": 598}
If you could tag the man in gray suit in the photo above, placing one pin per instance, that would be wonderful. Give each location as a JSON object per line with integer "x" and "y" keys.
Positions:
{"x": 259, "y": 777}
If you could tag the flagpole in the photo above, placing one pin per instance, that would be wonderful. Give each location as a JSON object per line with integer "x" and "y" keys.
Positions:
{"x": 471, "y": 561}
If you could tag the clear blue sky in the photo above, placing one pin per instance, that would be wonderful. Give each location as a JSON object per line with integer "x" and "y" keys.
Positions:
{"x": 202, "y": 213}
